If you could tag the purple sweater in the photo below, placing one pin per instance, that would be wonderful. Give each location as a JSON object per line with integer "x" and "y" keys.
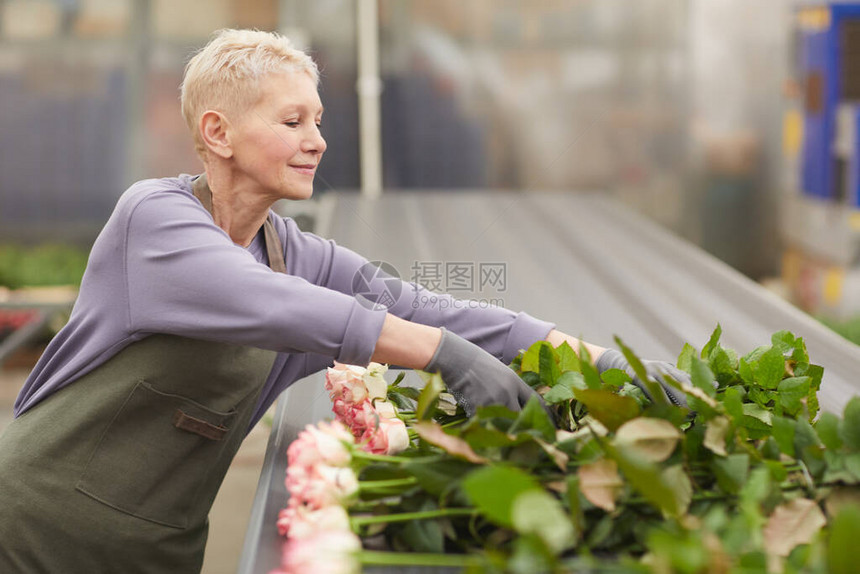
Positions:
{"x": 161, "y": 265}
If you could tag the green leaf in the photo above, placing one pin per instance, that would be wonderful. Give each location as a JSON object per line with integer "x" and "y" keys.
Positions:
{"x": 574, "y": 505}
{"x": 549, "y": 371}
{"x": 783, "y": 433}
{"x": 771, "y": 368}
{"x": 645, "y": 478}
{"x": 498, "y": 413}
{"x": 757, "y": 487}
{"x": 567, "y": 359}
{"x": 829, "y": 429}
{"x": 852, "y": 464}
{"x": 761, "y": 397}
{"x": 653, "y": 387}
{"x": 769, "y": 449}
{"x": 530, "y": 555}
{"x": 422, "y": 535}
{"x": 815, "y": 374}
{"x": 631, "y": 390}
{"x": 439, "y": 476}
{"x": 842, "y": 543}
{"x": 563, "y": 389}
{"x": 401, "y": 402}
{"x": 610, "y": 409}
{"x": 731, "y": 471}
{"x": 702, "y": 377}
{"x": 784, "y": 341}
{"x": 712, "y": 343}
{"x": 837, "y": 468}
{"x": 790, "y": 393}
{"x": 534, "y": 417}
{"x": 851, "y": 424}
{"x": 536, "y": 512}
{"x": 493, "y": 489}
{"x": 745, "y": 371}
{"x": 756, "y": 420}
{"x": 808, "y": 447}
{"x": 615, "y": 377}
{"x": 589, "y": 372}
{"x": 558, "y": 394}
{"x": 778, "y": 473}
{"x": 723, "y": 363}
{"x": 433, "y": 387}
{"x": 480, "y": 436}
{"x": 734, "y": 404}
{"x": 685, "y": 357}
{"x": 677, "y": 480}
{"x": 530, "y": 361}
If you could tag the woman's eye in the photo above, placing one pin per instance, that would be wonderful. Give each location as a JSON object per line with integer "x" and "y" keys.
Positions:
{"x": 291, "y": 124}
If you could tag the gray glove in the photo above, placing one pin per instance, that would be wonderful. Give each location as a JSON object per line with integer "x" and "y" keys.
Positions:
{"x": 475, "y": 377}
{"x": 612, "y": 359}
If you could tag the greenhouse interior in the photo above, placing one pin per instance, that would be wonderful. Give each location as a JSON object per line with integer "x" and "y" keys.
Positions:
{"x": 429, "y": 286}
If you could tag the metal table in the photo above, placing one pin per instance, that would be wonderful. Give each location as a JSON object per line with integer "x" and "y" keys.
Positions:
{"x": 583, "y": 261}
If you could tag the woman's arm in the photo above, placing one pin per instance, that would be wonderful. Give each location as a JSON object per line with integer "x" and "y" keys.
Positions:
{"x": 472, "y": 375}
{"x": 556, "y": 338}
{"x": 405, "y": 343}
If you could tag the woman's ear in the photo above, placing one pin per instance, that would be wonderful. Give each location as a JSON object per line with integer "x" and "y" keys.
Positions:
{"x": 214, "y": 129}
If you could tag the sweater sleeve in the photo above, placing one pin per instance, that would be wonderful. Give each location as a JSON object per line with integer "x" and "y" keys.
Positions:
{"x": 501, "y": 332}
{"x": 186, "y": 277}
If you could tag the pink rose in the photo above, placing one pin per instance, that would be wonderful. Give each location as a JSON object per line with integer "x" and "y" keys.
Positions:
{"x": 321, "y": 444}
{"x": 398, "y": 436}
{"x": 353, "y": 384}
{"x": 302, "y": 522}
{"x": 328, "y": 519}
{"x": 346, "y": 382}
{"x": 389, "y": 437}
{"x": 325, "y": 486}
{"x": 324, "y": 552}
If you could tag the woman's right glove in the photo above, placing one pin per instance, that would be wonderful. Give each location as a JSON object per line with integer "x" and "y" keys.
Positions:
{"x": 475, "y": 377}
{"x": 612, "y": 359}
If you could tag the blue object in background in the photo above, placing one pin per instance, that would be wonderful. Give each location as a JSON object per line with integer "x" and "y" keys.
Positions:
{"x": 829, "y": 67}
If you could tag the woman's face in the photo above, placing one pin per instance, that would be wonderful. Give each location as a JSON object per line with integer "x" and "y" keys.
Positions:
{"x": 277, "y": 143}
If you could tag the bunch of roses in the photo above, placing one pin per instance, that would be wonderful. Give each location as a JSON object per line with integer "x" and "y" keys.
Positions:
{"x": 320, "y": 483}
{"x": 358, "y": 398}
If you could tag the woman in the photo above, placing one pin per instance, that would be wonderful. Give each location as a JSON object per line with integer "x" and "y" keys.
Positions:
{"x": 198, "y": 307}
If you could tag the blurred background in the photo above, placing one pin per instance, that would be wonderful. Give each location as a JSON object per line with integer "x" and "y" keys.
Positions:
{"x": 675, "y": 106}
{"x": 731, "y": 123}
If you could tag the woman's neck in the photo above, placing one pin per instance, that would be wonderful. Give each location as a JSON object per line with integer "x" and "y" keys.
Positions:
{"x": 236, "y": 207}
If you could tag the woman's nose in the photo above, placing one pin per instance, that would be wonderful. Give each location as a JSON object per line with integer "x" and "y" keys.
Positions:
{"x": 314, "y": 143}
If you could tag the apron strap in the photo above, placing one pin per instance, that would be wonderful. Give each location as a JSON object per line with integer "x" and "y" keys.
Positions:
{"x": 274, "y": 248}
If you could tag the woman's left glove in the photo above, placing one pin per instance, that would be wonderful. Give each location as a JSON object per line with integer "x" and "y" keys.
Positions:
{"x": 475, "y": 377}
{"x": 612, "y": 359}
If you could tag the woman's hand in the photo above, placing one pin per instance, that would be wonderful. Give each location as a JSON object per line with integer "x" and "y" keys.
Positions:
{"x": 612, "y": 359}
{"x": 605, "y": 359}
{"x": 475, "y": 377}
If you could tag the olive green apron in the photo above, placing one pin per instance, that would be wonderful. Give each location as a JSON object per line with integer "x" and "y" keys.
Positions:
{"x": 117, "y": 472}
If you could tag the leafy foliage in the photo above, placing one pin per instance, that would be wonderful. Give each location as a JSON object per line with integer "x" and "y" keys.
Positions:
{"x": 747, "y": 479}
{"x": 42, "y": 265}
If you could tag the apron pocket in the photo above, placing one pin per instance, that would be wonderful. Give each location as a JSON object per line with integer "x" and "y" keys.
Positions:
{"x": 154, "y": 456}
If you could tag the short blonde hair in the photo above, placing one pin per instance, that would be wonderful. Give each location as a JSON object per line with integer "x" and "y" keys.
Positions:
{"x": 225, "y": 74}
